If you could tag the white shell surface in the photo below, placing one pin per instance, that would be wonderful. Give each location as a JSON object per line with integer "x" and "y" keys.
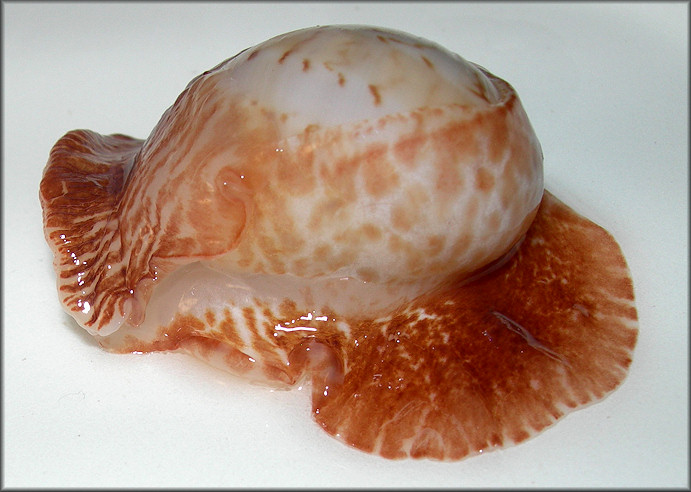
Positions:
{"x": 334, "y": 75}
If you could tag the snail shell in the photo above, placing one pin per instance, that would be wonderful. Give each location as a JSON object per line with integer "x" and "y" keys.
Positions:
{"x": 359, "y": 206}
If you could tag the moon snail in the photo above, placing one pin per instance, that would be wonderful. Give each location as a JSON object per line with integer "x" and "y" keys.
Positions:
{"x": 361, "y": 210}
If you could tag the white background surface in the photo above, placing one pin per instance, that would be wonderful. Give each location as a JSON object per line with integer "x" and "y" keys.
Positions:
{"x": 605, "y": 87}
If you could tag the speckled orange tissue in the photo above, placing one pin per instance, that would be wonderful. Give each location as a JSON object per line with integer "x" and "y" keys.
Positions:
{"x": 359, "y": 209}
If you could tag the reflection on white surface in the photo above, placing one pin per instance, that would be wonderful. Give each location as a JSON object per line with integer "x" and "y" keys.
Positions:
{"x": 614, "y": 137}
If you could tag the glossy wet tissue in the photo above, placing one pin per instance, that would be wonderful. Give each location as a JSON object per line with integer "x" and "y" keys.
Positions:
{"x": 360, "y": 210}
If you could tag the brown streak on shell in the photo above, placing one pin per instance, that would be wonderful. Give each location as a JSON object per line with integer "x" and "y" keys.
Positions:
{"x": 374, "y": 90}
{"x": 427, "y": 62}
{"x": 285, "y": 55}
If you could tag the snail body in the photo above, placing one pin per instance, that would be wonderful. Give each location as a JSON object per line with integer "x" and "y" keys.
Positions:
{"x": 353, "y": 205}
